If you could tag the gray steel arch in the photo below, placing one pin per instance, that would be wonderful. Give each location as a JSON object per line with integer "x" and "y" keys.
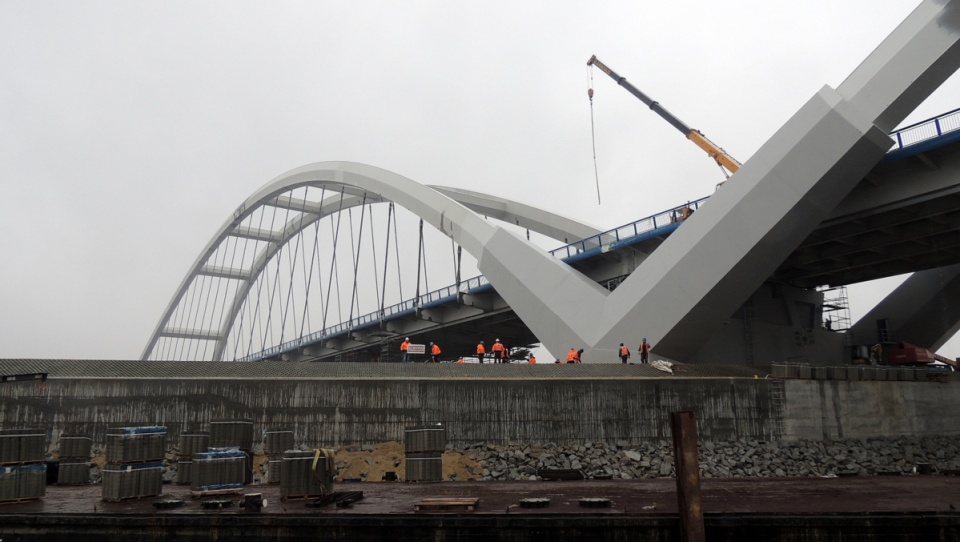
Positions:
{"x": 360, "y": 184}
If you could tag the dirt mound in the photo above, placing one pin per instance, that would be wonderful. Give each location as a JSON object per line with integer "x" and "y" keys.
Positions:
{"x": 370, "y": 463}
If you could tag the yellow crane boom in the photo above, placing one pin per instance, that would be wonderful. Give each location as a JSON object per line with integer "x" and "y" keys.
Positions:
{"x": 720, "y": 156}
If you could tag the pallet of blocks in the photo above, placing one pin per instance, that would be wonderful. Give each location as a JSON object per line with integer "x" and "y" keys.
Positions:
{"x": 306, "y": 474}
{"x": 219, "y": 471}
{"x": 191, "y": 444}
{"x": 275, "y": 443}
{"x": 26, "y": 482}
{"x": 230, "y": 433}
{"x": 23, "y": 474}
{"x": 134, "y": 463}
{"x": 74, "y": 467}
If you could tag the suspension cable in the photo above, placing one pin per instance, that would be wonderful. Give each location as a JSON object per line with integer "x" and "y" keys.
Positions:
{"x": 292, "y": 263}
{"x": 423, "y": 247}
{"x": 356, "y": 256}
{"x": 305, "y": 321}
{"x": 255, "y": 312}
{"x": 386, "y": 260}
{"x": 206, "y": 303}
{"x": 459, "y": 258}
{"x": 272, "y": 296}
{"x": 373, "y": 251}
{"x": 419, "y": 262}
{"x": 593, "y": 137}
{"x": 333, "y": 261}
{"x": 226, "y": 295}
{"x": 396, "y": 245}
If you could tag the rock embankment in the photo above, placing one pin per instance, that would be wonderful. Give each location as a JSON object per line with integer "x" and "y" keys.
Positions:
{"x": 742, "y": 458}
{"x": 622, "y": 460}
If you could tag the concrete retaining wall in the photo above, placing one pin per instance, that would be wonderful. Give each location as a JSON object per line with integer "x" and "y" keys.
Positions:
{"x": 837, "y": 409}
{"x": 359, "y": 411}
{"x": 563, "y": 411}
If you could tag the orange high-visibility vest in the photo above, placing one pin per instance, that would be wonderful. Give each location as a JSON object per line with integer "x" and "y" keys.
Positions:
{"x": 435, "y": 350}
{"x": 481, "y": 349}
{"x": 460, "y": 360}
{"x": 624, "y": 351}
{"x": 497, "y": 347}
{"x": 572, "y": 355}
{"x": 404, "y": 345}
{"x": 532, "y": 360}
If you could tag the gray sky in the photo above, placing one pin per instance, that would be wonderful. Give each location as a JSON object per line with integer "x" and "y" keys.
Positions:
{"x": 129, "y": 131}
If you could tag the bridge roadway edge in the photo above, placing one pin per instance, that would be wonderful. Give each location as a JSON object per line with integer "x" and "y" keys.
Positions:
{"x": 347, "y": 403}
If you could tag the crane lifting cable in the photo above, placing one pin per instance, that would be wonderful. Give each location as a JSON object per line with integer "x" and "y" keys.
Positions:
{"x": 593, "y": 136}
{"x": 726, "y": 162}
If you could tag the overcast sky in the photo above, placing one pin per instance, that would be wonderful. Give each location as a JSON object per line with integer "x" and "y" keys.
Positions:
{"x": 129, "y": 131}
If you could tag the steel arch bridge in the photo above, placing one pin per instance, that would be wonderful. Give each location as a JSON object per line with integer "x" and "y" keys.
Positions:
{"x": 238, "y": 300}
{"x": 240, "y": 296}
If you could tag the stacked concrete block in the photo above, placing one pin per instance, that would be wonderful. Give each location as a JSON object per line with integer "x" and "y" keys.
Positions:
{"x": 228, "y": 433}
{"x": 306, "y": 473}
{"x": 423, "y": 447}
{"x": 23, "y": 482}
{"x": 275, "y": 443}
{"x": 219, "y": 468}
{"x": 191, "y": 444}
{"x": 134, "y": 462}
{"x": 23, "y": 474}
{"x": 132, "y": 481}
{"x": 22, "y": 446}
{"x": 74, "y": 468}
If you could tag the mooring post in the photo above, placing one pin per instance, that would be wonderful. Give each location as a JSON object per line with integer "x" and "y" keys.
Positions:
{"x": 683, "y": 425}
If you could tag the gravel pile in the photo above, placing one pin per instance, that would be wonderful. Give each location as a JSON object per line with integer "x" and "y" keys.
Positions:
{"x": 741, "y": 458}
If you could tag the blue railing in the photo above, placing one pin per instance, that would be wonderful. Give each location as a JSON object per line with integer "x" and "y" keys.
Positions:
{"x": 904, "y": 137}
{"x": 927, "y": 129}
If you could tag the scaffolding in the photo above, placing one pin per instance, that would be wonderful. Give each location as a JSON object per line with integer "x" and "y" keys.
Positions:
{"x": 836, "y": 308}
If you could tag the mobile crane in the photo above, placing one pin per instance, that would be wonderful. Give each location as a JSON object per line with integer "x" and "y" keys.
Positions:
{"x": 727, "y": 163}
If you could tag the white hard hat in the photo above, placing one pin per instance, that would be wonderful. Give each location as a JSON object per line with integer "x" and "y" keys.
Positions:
{"x": 407, "y": 339}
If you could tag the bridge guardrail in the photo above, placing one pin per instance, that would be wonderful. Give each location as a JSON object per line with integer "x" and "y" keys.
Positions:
{"x": 927, "y": 129}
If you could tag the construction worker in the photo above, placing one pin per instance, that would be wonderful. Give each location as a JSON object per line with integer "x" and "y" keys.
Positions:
{"x": 403, "y": 350}
{"x": 435, "y": 351}
{"x": 572, "y": 356}
{"x": 498, "y": 349}
{"x": 460, "y": 360}
{"x": 481, "y": 350}
{"x": 579, "y": 353}
{"x": 624, "y": 353}
{"x": 644, "y": 350}
{"x": 531, "y": 360}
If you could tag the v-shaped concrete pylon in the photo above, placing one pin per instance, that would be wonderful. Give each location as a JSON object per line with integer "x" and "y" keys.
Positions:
{"x": 705, "y": 270}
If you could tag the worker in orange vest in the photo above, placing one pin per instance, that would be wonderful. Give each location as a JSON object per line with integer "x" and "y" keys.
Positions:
{"x": 624, "y": 353}
{"x": 460, "y": 360}
{"x": 498, "y": 349}
{"x": 481, "y": 350}
{"x": 403, "y": 350}
{"x": 644, "y": 351}
{"x": 531, "y": 360}
{"x": 435, "y": 350}
{"x": 572, "y": 356}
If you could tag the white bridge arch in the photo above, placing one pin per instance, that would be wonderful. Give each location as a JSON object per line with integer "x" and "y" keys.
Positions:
{"x": 455, "y": 212}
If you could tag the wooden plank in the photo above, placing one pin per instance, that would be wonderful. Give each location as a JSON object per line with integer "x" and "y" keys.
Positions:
{"x": 215, "y": 492}
{"x": 447, "y": 504}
